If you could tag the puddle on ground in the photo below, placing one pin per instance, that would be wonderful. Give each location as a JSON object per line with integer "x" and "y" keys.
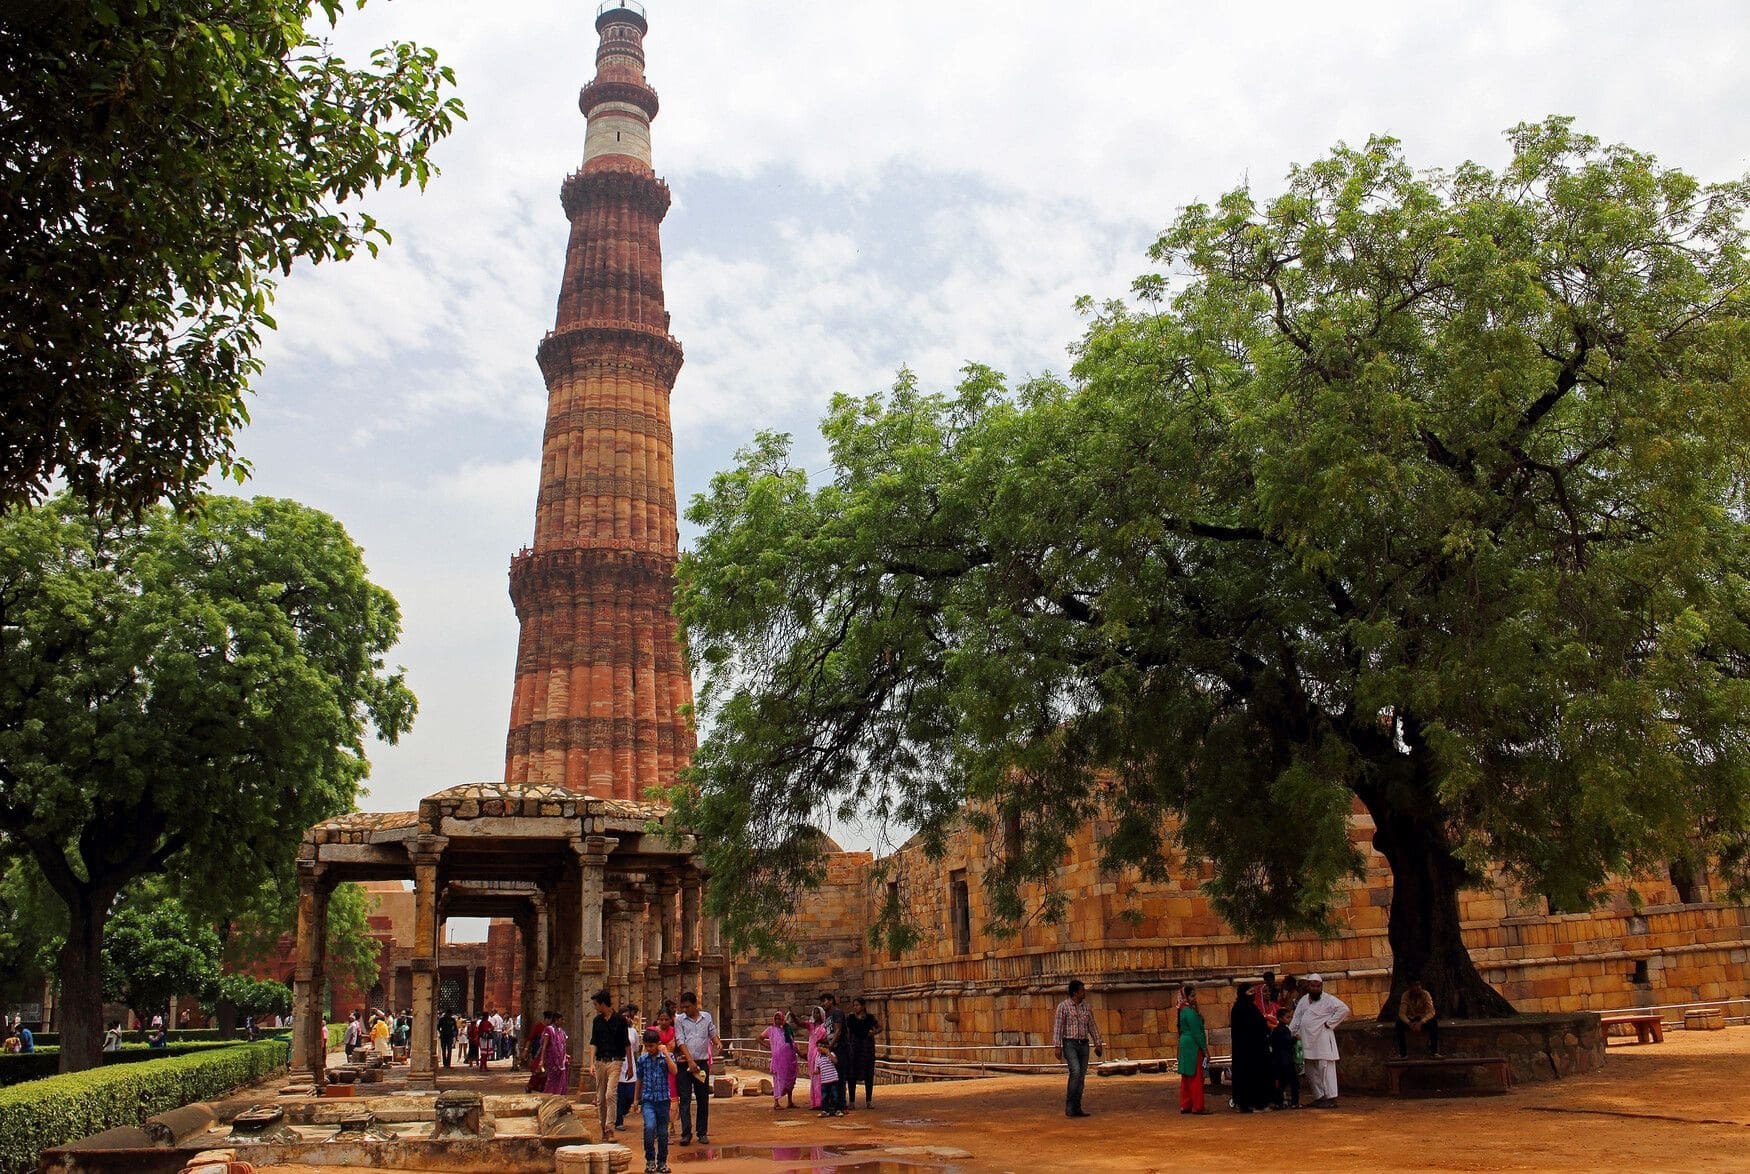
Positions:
{"x": 819, "y": 1159}
{"x": 914, "y": 1122}
{"x": 777, "y": 1153}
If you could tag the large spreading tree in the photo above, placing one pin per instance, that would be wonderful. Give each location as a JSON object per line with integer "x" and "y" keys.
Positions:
{"x": 180, "y": 695}
{"x": 1423, "y": 489}
{"x": 160, "y": 161}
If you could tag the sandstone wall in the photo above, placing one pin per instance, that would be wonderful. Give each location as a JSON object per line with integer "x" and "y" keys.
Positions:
{"x": 1133, "y": 943}
{"x": 830, "y": 930}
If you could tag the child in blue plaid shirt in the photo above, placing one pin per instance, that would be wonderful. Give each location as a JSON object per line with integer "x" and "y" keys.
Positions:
{"x": 654, "y": 1068}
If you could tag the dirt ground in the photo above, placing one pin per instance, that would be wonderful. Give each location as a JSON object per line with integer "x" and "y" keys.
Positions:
{"x": 1683, "y": 1105}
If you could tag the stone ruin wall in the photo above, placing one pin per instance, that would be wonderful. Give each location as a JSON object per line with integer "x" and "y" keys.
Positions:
{"x": 1002, "y": 991}
{"x": 829, "y": 928}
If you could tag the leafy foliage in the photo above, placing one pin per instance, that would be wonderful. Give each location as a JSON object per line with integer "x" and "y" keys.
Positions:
{"x": 254, "y": 996}
{"x": 255, "y": 930}
{"x": 33, "y": 925}
{"x": 180, "y": 695}
{"x": 154, "y": 952}
{"x": 51, "y": 1112}
{"x": 1419, "y": 489}
{"x": 160, "y": 160}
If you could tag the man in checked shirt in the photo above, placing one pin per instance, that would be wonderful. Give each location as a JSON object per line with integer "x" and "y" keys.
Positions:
{"x": 1072, "y": 1030}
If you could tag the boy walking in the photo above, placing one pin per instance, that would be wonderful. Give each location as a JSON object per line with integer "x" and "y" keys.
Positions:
{"x": 654, "y": 1068}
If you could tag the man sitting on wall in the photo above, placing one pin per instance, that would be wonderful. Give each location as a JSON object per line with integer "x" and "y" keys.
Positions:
{"x": 1416, "y": 1013}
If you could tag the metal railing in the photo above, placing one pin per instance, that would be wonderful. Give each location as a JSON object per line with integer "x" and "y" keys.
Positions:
{"x": 630, "y": 5}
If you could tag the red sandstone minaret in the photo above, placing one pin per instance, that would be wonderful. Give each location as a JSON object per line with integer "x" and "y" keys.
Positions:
{"x": 600, "y": 680}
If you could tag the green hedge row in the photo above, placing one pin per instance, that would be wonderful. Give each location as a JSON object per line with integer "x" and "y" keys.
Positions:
{"x": 50, "y": 1039}
{"x": 16, "y": 1068}
{"x": 52, "y": 1112}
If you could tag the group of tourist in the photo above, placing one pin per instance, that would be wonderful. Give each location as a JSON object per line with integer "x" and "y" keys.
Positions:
{"x": 649, "y": 1066}
{"x": 1279, "y": 1033}
{"x": 840, "y": 1055}
{"x": 486, "y": 1037}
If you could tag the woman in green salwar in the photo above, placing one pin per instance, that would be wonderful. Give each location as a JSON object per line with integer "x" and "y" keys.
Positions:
{"x": 1193, "y": 1050}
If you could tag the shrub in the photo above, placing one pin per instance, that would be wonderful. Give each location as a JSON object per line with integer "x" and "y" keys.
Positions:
{"x": 44, "y": 1062}
{"x": 51, "y": 1112}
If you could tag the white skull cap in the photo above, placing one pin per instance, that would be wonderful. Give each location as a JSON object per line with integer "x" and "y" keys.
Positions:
{"x": 1315, "y": 978}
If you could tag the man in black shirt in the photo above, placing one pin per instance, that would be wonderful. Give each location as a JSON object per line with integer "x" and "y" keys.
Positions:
{"x": 607, "y": 1039}
{"x": 447, "y": 1035}
{"x": 838, "y": 1041}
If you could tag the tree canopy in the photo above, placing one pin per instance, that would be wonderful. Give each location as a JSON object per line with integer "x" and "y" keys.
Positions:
{"x": 180, "y": 695}
{"x": 153, "y": 952}
{"x": 160, "y": 160}
{"x": 1423, "y": 489}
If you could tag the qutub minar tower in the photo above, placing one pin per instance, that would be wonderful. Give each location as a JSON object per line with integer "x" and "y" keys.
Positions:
{"x": 600, "y": 679}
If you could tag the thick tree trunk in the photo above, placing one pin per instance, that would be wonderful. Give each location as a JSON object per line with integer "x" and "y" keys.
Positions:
{"x": 81, "y": 1007}
{"x": 1424, "y": 930}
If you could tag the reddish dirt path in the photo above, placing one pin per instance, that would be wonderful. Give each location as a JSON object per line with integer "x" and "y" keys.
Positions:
{"x": 1683, "y": 1105}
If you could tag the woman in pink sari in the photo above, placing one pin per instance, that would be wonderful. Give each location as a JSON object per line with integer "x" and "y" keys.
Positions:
{"x": 555, "y": 1058}
{"x": 783, "y": 1049}
{"x": 816, "y": 1033}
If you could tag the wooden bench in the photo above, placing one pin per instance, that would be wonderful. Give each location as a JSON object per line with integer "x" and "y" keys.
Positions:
{"x": 1395, "y": 1069}
{"x": 1648, "y": 1028}
{"x": 1219, "y": 1068}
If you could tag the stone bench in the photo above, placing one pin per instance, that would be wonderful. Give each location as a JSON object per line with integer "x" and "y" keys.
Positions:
{"x": 1705, "y": 1019}
{"x": 1395, "y": 1069}
{"x": 1648, "y": 1029}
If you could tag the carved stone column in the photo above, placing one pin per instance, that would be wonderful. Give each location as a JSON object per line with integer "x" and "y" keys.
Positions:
{"x": 637, "y": 941}
{"x": 712, "y": 971}
{"x": 426, "y": 853}
{"x": 309, "y": 1039}
{"x": 591, "y": 960}
{"x": 653, "y": 992}
{"x": 620, "y": 952}
{"x": 689, "y": 935}
{"x": 666, "y": 889}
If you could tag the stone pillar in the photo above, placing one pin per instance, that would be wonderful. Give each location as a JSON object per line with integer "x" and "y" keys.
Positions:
{"x": 620, "y": 953}
{"x": 666, "y": 888}
{"x": 533, "y": 927}
{"x": 422, "y": 1048}
{"x": 689, "y": 944}
{"x": 653, "y": 992}
{"x": 636, "y": 941}
{"x": 309, "y": 1045}
{"x": 591, "y": 958}
{"x": 711, "y": 975}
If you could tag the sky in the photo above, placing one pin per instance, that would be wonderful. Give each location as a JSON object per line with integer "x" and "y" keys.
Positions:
{"x": 857, "y": 187}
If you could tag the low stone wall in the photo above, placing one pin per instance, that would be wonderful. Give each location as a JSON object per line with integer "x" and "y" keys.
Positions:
{"x": 1538, "y": 1047}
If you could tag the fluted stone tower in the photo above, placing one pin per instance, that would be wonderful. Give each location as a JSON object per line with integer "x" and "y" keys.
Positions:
{"x": 600, "y": 681}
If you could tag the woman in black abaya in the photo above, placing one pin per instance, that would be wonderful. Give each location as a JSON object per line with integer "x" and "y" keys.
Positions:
{"x": 1251, "y": 1053}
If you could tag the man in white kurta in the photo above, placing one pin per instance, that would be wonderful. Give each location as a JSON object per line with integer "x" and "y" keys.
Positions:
{"x": 1315, "y": 1023}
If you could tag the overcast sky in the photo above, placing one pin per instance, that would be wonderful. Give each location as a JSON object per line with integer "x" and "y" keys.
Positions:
{"x": 856, "y": 186}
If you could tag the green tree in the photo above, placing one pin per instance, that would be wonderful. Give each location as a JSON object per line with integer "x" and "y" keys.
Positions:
{"x": 160, "y": 160}
{"x": 254, "y": 934}
{"x": 180, "y": 695}
{"x": 253, "y": 996}
{"x": 1419, "y": 489}
{"x": 33, "y": 926}
{"x": 154, "y": 951}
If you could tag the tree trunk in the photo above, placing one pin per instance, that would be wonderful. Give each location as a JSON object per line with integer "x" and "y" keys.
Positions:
{"x": 1424, "y": 930}
{"x": 81, "y": 1005}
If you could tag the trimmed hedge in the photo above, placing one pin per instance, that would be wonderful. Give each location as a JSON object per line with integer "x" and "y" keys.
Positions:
{"x": 46, "y": 1113}
{"x": 336, "y": 1036}
{"x": 19, "y": 1067}
{"x": 176, "y": 1035}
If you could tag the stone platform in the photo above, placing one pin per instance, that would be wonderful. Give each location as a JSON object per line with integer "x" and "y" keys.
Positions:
{"x": 1539, "y": 1047}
